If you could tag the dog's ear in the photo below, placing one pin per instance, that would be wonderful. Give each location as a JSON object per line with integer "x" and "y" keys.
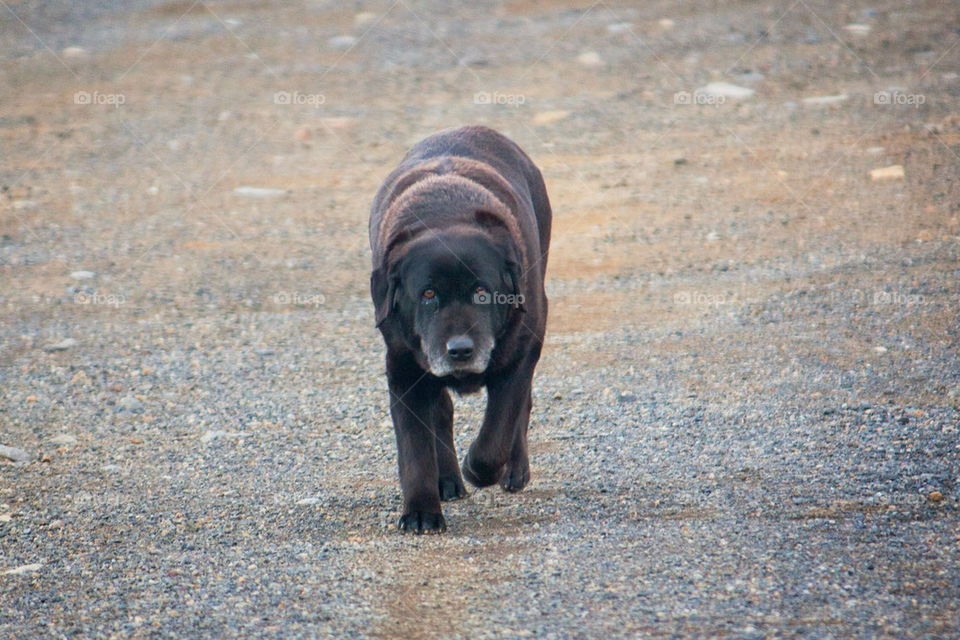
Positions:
{"x": 512, "y": 274}
{"x": 383, "y": 289}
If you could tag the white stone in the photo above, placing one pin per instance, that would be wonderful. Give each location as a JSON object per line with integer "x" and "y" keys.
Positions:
{"x": 825, "y": 101}
{"x": 619, "y": 27}
{"x": 590, "y": 59}
{"x": 364, "y": 18}
{"x": 857, "y": 29}
{"x": 726, "y": 90}
{"x": 549, "y": 117}
{"x": 259, "y": 192}
{"x": 893, "y": 172}
{"x": 341, "y": 43}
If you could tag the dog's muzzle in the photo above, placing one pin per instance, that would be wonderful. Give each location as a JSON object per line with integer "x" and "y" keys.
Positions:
{"x": 460, "y": 356}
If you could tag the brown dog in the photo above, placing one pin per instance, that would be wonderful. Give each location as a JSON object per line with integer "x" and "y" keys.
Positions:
{"x": 460, "y": 233}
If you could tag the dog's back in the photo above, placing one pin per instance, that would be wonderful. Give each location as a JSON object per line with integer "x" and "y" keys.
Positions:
{"x": 500, "y": 171}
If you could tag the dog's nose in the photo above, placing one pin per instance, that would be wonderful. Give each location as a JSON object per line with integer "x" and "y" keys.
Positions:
{"x": 460, "y": 348}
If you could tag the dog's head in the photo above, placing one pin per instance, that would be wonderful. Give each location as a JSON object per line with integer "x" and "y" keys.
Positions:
{"x": 451, "y": 294}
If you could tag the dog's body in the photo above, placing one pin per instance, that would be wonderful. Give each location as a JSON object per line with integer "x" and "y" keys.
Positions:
{"x": 460, "y": 233}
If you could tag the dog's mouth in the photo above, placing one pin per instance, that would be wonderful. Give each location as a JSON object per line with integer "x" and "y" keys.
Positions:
{"x": 445, "y": 367}
{"x": 442, "y": 365}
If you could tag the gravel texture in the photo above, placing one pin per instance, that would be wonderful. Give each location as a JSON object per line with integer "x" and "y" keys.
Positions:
{"x": 746, "y": 416}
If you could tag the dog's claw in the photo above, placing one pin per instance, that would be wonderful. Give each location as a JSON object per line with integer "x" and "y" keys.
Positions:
{"x": 452, "y": 489}
{"x": 422, "y": 522}
{"x": 516, "y": 478}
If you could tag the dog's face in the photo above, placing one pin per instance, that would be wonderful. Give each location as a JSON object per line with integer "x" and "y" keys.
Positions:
{"x": 452, "y": 294}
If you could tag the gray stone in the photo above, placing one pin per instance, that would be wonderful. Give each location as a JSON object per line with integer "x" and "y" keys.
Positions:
{"x": 12, "y": 453}
{"x": 131, "y": 404}
{"x": 63, "y": 345}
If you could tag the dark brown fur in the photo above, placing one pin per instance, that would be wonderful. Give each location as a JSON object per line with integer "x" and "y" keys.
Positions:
{"x": 465, "y": 208}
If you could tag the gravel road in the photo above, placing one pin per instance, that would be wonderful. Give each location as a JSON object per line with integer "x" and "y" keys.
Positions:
{"x": 746, "y": 416}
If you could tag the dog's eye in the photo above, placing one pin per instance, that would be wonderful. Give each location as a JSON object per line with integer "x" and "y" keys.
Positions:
{"x": 429, "y": 294}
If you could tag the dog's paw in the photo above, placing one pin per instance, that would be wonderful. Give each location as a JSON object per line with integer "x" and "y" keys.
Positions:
{"x": 422, "y": 522}
{"x": 516, "y": 477}
{"x": 479, "y": 473}
{"x": 452, "y": 489}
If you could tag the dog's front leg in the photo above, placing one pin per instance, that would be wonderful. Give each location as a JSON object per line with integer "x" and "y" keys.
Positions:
{"x": 414, "y": 399}
{"x": 503, "y": 437}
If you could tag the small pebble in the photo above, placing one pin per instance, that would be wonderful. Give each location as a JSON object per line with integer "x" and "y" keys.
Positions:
{"x": 131, "y": 404}
{"x": 210, "y": 436}
{"x": 23, "y": 569}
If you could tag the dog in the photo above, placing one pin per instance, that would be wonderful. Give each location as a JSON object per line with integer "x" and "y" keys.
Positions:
{"x": 459, "y": 234}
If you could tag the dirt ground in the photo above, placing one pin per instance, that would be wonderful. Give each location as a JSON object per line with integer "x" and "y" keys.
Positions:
{"x": 746, "y": 413}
